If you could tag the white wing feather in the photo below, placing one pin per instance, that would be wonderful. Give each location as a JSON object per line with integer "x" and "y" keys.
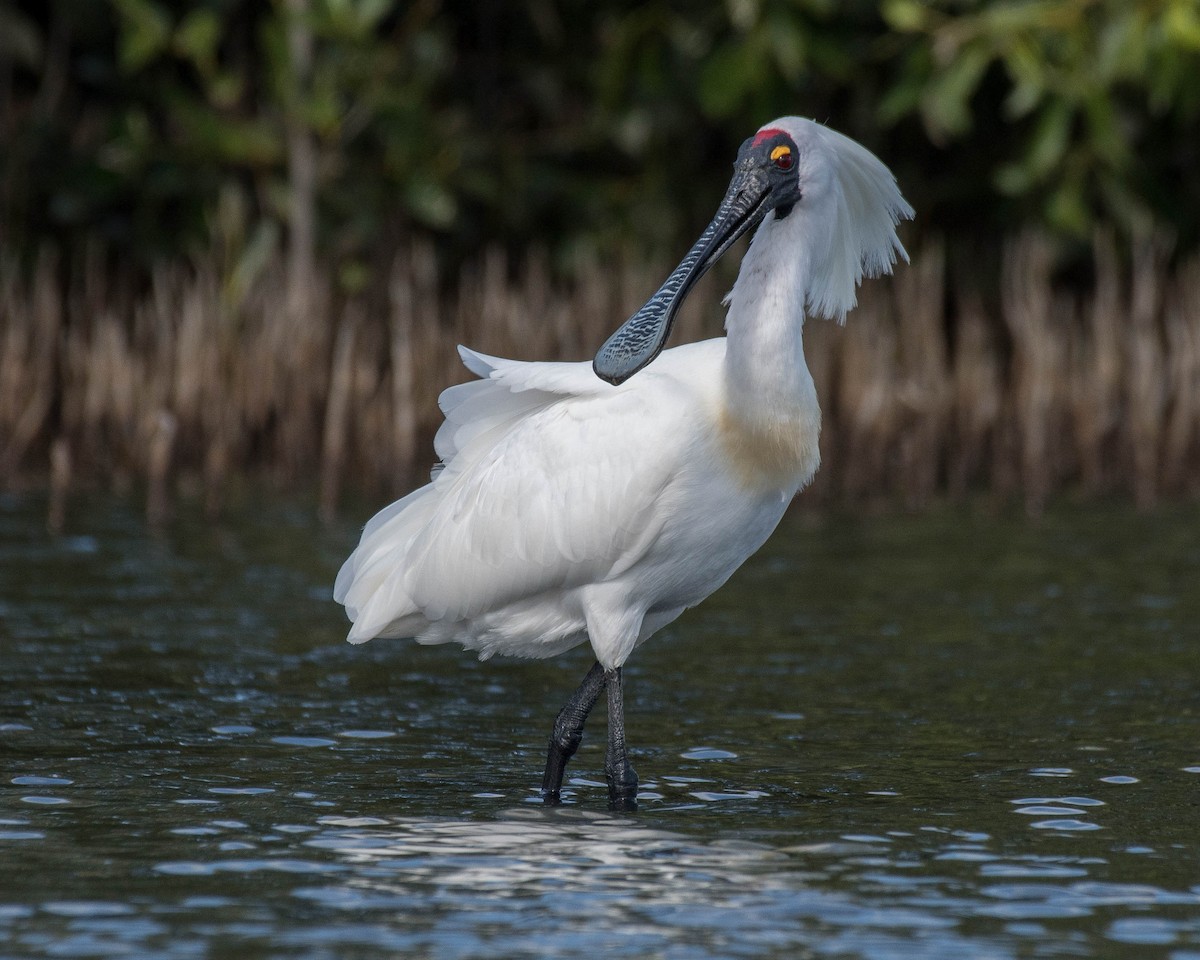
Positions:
{"x": 549, "y": 480}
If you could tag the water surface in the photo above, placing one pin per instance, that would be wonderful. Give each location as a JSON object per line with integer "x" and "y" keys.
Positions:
{"x": 957, "y": 735}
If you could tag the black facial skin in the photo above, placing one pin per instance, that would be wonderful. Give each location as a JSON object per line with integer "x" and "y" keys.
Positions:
{"x": 784, "y": 187}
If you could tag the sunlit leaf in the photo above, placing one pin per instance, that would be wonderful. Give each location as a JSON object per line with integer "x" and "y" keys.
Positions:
{"x": 252, "y": 260}
{"x": 430, "y": 203}
{"x": 1104, "y": 131}
{"x": 1182, "y": 22}
{"x": 946, "y": 103}
{"x": 904, "y": 15}
{"x": 1012, "y": 179}
{"x": 1027, "y": 69}
{"x": 146, "y": 33}
{"x": 197, "y": 36}
{"x": 1068, "y": 210}
{"x": 744, "y": 14}
{"x": 370, "y": 12}
{"x": 1049, "y": 141}
{"x": 225, "y": 88}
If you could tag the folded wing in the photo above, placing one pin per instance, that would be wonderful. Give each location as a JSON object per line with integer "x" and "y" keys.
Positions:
{"x": 549, "y": 479}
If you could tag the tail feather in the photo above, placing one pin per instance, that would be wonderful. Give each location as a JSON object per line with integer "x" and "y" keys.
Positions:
{"x": 370, "y": 582}
{"x": 373, "y": 583}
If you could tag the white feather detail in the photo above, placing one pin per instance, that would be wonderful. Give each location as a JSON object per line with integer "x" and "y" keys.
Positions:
{"x": 545, "y": 489}
{"x": 850, "y": 208}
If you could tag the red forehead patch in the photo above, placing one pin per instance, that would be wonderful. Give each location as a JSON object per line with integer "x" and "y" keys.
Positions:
{"x": 767, "y": 134}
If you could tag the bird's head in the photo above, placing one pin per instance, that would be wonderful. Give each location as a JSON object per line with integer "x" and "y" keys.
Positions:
{"x": 819, "y": 197}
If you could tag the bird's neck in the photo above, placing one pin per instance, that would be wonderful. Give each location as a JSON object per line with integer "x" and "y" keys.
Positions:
{"x": 770, "y": 400}
{"x": 765, "y": 371}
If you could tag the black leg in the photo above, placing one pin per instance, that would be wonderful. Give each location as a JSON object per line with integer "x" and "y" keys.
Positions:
{"x": 622, "y": 781}
{"x": 568, "y": 731}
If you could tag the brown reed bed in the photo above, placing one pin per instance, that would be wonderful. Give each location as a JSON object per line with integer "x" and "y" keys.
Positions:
{"x": 927, "y": 391}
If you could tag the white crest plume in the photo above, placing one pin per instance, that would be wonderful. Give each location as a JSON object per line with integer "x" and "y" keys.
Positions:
{"x": 855, "y": 207}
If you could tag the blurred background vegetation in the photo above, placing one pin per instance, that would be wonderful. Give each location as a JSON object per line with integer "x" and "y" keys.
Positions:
{"x": 400, "y": 175}
{"x": 160, "y": 128}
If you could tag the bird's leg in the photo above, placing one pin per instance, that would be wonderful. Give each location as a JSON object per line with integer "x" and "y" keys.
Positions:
{"x": 568, "y": 731}
{"x": 622, "y": 781}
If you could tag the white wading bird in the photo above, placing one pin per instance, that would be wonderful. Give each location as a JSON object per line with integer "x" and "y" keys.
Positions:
{"x": 573, "y": 504}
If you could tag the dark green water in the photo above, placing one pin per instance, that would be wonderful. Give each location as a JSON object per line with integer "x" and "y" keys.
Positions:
{"x": 952, "y": 736}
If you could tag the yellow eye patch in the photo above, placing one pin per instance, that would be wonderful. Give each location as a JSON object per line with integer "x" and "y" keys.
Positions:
{"x": 780, "y": 151}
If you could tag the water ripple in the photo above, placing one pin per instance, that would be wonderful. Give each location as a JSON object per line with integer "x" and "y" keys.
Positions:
{"x": 198, "y": 766}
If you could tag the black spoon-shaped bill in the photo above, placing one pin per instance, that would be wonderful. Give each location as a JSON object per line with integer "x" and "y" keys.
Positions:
{"x": 641, "y": 338}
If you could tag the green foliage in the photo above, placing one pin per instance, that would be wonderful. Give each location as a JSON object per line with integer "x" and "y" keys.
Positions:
{"x": 573, "y": 123}
{"x": 1096, "y": 101}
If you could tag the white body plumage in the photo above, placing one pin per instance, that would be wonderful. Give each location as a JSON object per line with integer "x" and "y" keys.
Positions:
{"x": 569, "y": 509}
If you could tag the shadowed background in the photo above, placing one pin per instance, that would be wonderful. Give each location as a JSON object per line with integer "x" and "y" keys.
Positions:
{"x": 243, "y": 238}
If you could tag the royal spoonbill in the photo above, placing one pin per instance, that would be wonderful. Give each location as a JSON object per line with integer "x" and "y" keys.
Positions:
{"x": 574, "y": 502}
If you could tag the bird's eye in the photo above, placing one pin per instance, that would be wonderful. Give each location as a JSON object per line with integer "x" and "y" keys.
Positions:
{"x": 781, "y": 156}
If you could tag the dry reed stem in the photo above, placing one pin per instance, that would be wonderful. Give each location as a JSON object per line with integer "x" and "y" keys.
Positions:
{"x": 337, "y": 411}
{"x": 865, "y": 413}
{"x": 923, "y": 384}
{"x": 976, "y": 398}
{"x": 1146, "y": 400}
{"x": 60, "y": 484}
{"x": 195, "y": 376}
{"x": 159, "y": 447}
{"x": 1032, "y": 313}
{"x": 1181, "y": 435}
{"x": 1097, "y": 368}
{"x": 28, "y": 345}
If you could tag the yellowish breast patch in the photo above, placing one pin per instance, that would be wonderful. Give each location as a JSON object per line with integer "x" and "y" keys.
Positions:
{"x": 777, "y": 455}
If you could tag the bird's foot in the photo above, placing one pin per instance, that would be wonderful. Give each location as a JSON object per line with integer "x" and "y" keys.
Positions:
{"x": 568, "y": 733}
{"x": 562, "y": 748}
{"x": 622, "y": 788}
